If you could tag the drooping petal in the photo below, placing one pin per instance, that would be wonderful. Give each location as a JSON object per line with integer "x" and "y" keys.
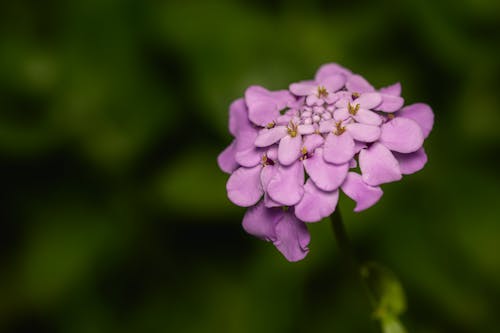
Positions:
{"x": 244, "y": 187}
{"x": 313, "y": 141}
{"x": 292, "y": 237}
{"x": 421, "y": 113}
{"x": 393, "y": 89}
{"x": 269, "y": 136}
{"x": 364, "y": 195}
{"x": 402, "y": 135}
{"x": 412, "y": 162}
{"x": 357, "y": 83}
{"x": 363, "y": 132}
{"x": 226, "y": 160}
{"x": 303, "y": 88}
{"x": 289, "y": 149}
{"x": 368, "y": 117}
{"x": 368, "y": 100}
{"x": 331, "y": 69}
{"x": 316, "y": 204}
{"x": 260, "y": 221}
{"x": 326, "y": 176}
{"x": 287, "y": 184}
{"x": 238, "y": 117}
{"x": 378, "y": 165}
{"x": 390, "y": 103}
{"x": 338, "y": 149}
{"x": 333, "y": 83}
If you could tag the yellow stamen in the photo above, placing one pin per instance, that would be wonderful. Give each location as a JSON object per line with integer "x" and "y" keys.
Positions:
{"x": 271, "y": 125}
{"x": 352, "y": 109}
{"x": 391, "y": 116}
{"x": 339, "y": 129}
{"x": 322, "y": 92}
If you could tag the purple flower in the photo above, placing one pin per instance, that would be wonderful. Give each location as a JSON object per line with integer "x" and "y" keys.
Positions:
{"x": 294, "y": 150}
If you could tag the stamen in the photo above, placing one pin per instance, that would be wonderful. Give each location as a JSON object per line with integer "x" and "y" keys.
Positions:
{"x": 355, "y": 95}
{"x": 322, "y": 92}
{"x": 339, "y": 129}
{"x": 391, "y": 116}
{"x": 292, "y": 130}
{"x": 353, "y": 109}
{"x": 271, "y": 124}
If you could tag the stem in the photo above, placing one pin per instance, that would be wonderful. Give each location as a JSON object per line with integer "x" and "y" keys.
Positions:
{"x": 347, "y": 252}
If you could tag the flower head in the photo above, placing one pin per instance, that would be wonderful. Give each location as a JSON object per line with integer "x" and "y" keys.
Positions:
{"x": 294, "y": 150}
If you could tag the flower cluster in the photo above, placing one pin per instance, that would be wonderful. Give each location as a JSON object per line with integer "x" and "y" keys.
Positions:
{"x": 295, "y": 149}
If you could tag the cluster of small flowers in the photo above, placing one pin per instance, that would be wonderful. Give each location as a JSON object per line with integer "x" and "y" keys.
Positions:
{"x": 294, "y": 150}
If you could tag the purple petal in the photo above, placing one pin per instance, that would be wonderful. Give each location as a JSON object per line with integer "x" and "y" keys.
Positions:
{"x": 304, "y": 88}
{"x": 365, "y": 116}
{"x": 316, "y": 204}
{"x": 313, "y": 100}
{"x": 313, "y": 141}
{"x": 368, "y": 100}
{"x": 378, "y": 165}
{"x": 341, "y": 114}
{"x": 338, "y": 149}
{"x": 287, "y": 184}
{"x": 333, "y": 83}
{"x": 305, "y": 129}
{"x": 292, "y": 237}
{"x": 326, "y": 126}
{"x": 356, "y": 83}
{"x": 364, "y": 195}
{"x": 326, "y": 176}
{"x": 226, "y": 160}
{"x": 363, "y": 132}
{"x": 267, "y": 137}
{"x": 390, "y": 103}
{"x": 421, "y": 113}
{"x": 266, "y": 175}
{"x": 402, "y": 135}
{"x": 393, "y": 89}
{"x": 238, "y": 117}
{"x": 412, "y": 162}
{"x": 331, "y": 69}
{"x": 264, "y": 106}
{"x": 246, "y": 153}
{"x": 289, "y": 149}
{"x": 244, "y": 187}
{"x": 261, "y": 221}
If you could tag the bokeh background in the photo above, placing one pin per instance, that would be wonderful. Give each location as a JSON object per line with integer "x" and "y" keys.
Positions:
{"x": 114, "y": 216}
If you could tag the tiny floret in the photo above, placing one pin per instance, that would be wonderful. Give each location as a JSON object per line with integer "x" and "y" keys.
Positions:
{"x": 295, "y": 150}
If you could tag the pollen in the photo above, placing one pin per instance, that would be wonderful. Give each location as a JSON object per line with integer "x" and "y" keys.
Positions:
{"x": 292, "y": 130}
{"x": 339, "y": 129}
{"x": 271, "y": 125}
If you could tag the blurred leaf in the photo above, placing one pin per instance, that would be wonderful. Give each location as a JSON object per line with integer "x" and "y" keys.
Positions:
{"x": 385, "y": 288}
{"x": 391, "y": 324}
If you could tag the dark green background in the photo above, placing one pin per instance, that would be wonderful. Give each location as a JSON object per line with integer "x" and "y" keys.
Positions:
{"x": 114, "y": 216}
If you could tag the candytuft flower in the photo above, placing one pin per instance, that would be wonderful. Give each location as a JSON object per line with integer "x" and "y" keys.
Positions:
{"x": 295, "y": 150}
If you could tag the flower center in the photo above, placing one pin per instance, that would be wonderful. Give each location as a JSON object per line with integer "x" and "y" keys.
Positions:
{"x": 322, "y": 92}
{"x": 352, "y": 109}
{"x": 266, "y": 160}
{"x": 339, "y": 129}
{"x": 292, "y": 130}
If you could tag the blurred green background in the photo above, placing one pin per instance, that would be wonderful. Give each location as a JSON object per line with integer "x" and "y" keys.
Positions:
{"x": 114, "y": 216}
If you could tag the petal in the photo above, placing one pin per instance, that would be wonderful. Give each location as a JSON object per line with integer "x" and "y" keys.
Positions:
{"x": 378, "y": 165}
{"x": 326, "y": 176}
{"x": 226, "y": 160}
{"x": 333, "y": 83}
{"x": 287, "y": 184}
{"x": 412, "y": 162}
{"x": 368, "y": 117}
{"x": 292, "y": 237}
{"x": 303, "y": 88}
{"x": 338, "y": 149}
{"x": 390, "y": 103}
{"x": 246, "y": 154}
{"x": 261, "y": 221}
{"x": 364, "y": 195}
{"x": 341, "y": 114}
{"x": 393, "y": 89}
{"x": 368, "y": 100}
{"x": 313, "y": 100}
{"x": 266, "y": 175}
{"x": 238, "y": 117}
{"x": 289, "y": 149}
{"x": 421, "y": 113}
{"x": 357, "y": 83}
{"x": 326, "y": 126}
{"x": 244, "y": 187}
{"x": 363, "y": 132}
{"x": 353, "y": 164}
{"x": 402, "y": 135}
{"x": 331, "y": 69}
{"x": 267, "y": 137}
{"x": 264, "y": 106}
{"x": 311, "y": 142}
{"x": 316, "y": 204}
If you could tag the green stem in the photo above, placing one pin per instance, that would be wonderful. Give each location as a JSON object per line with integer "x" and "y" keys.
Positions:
{"x": 347, "y": 252}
